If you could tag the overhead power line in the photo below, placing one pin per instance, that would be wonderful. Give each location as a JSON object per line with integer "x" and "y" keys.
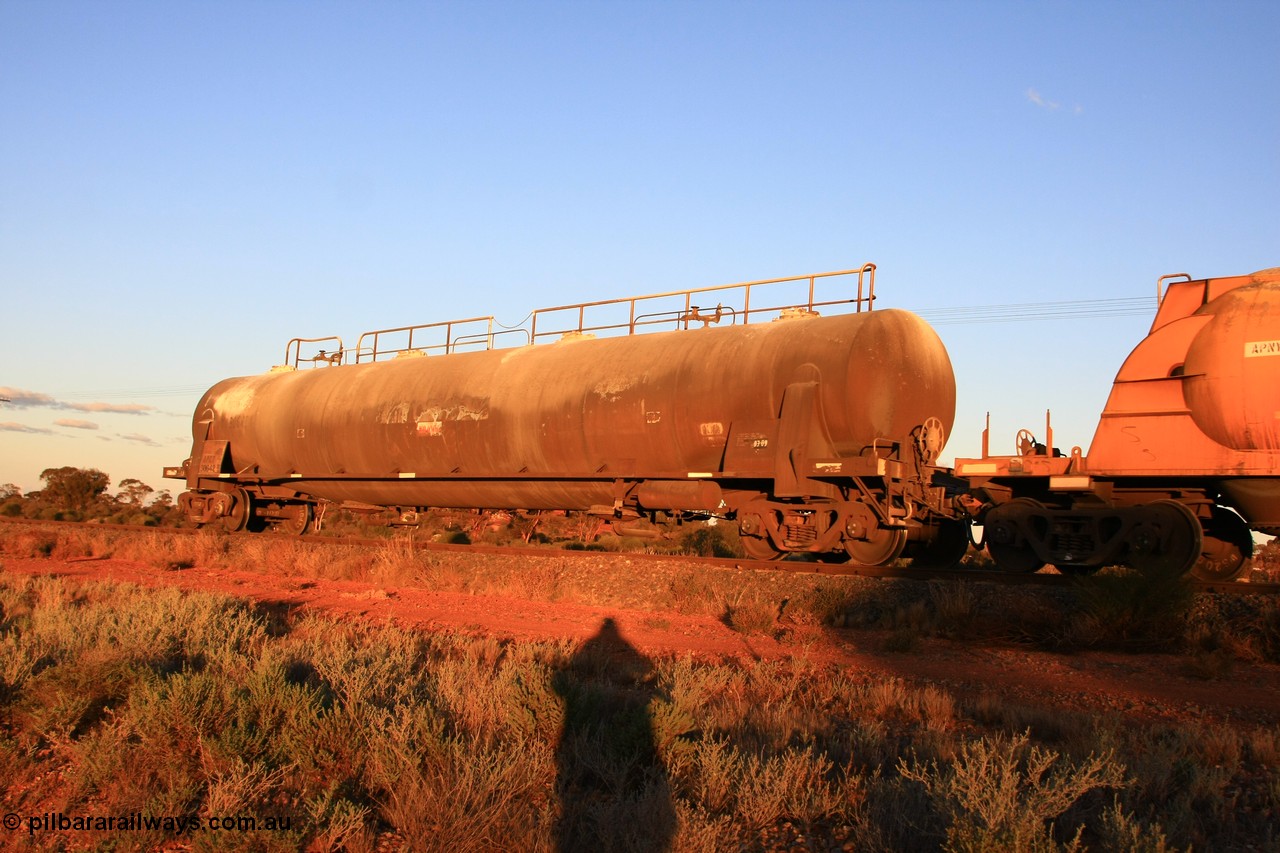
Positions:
{"x": 1080, "y": 309}
{"x": 1077, "y": 309}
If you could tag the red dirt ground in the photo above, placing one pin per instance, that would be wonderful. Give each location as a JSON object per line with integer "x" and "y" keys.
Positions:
{"x": 1142, "y": 686}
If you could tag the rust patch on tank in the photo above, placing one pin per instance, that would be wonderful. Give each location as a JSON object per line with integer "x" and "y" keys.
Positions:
{"x": 430, "y": 422}
{"x": 235, "y": 401}
{"x": 397, "y": 414}
{"x": 612, "y": 391}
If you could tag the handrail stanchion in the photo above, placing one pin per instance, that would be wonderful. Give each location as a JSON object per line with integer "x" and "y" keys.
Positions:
{"x": 636, "y": 317}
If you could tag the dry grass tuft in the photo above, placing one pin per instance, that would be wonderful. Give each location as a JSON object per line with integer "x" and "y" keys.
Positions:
{"x": 752, "y": 616}
{"x": 115, "y": 699}
{"x": 160, "y": 700}
{"x": 1003, "y": 794}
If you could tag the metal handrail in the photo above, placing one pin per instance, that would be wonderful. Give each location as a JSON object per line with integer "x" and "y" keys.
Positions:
{"x": 369, "y": 346}
{"x": 865, "y": 296}
{"x": 1171, "y": 276}
{"x": 488, "y": 338}
{"x": 371, "y": 351}
{"x": 294, "y": 350}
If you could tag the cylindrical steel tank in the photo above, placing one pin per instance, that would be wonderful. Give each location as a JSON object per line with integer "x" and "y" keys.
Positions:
{"x": 1233, "y": 388}
{"x": 1233, "y": 367}
{"x": 551, "y": 426}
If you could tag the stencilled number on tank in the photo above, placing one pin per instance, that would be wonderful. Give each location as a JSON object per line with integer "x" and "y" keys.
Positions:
{"x": 1256, "y": 349}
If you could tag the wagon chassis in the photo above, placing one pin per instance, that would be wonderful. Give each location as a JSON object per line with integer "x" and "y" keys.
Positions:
{"x": 860, "y": 509}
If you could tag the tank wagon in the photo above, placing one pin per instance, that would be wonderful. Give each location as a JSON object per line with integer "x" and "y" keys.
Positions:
{"x": 1185, "y": 459}
{"x": 818, "y": 432}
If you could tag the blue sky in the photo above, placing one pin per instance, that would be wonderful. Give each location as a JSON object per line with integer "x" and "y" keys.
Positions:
{"x": 186, "y": 186}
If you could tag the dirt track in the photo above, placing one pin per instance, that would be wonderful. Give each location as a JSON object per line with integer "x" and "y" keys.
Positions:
{"x": 1142, "y": 686}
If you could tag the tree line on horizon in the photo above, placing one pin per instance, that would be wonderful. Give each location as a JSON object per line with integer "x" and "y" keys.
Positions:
{"x": 81, "y": 494}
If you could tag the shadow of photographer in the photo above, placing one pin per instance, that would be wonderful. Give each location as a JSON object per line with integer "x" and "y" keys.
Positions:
{"x": 611, "y": 783}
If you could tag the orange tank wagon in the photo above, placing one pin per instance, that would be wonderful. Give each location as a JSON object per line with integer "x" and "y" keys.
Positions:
{"x": 1185, "y": 459}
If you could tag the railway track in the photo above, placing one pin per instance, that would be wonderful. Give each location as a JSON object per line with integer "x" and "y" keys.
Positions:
{"x": 1047, "y": 579}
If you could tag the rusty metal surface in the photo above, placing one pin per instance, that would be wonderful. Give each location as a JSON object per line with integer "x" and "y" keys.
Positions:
{"x": 1232, "y": 370}
{"x": 553, "y": 426}
{"x": 1201, "y": 394}
{"x": 1198, "y": 397}
{"x": 1257, "y": 499}
{"x": 1192, "y": 426}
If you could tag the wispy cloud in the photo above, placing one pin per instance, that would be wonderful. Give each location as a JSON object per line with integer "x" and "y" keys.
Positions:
{"x": 114, "y": 408}
{"x": 1034, "y": 96}
{"x": 73, "y": 423}
{"x": 10, "y": 426}
{"x": 21, "y": 398}
{"x": 140, "y": 439}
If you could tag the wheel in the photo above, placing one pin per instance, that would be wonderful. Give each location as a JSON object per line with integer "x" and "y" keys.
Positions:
{"x": 753, "y": 532}
{"x": 884, "y": 545}
{"x": 759, "y": 548}
{"x": 1228, "y": 542}
{"x": 1167, "y": 541}
{"x": 298, "y": 520}
{"x": 1005, "y": 539}
{"x": 945, "y": 550}
{"x": 239, "y": 515}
